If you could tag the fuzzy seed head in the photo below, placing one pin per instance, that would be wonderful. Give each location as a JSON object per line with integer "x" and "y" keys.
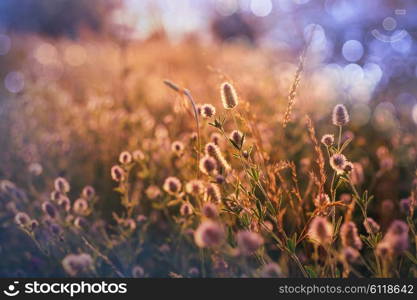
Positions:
{"x": 207, "y": 111}
{"x": 340, "y": 115}
{"x": 88, "y": 192}
{"x": 397, "y": 237}
{"x": 152, "y": 192}
{"x": 177, "y": 148}
{"x": 80, "y": 206}
{"x": 327, "y": 140}
{"x": 22, "y": 219}
{"x": 172, "y": 185}
{"x": 208, "y": 165}
{"x": 350, "y": 254}
{"x": 62, "y": 185}
{"x": 64, "y": 203}
{"x": 75, "y": 264}
{"x": 320, "y": 231}
{"x": 349, "y": 236}
{"x": 209, "y": 234}
{"x": 371, "y": 226}
{"x": 215, "y": 138}
{"x": 194, "y": 187}
{"x": 186, "y": 209}
{"x": 237, "y": 137}
{"x": 81, "y": 223}
{"x": 213, "y": 150}
{"x": 248, "y": 242}
{"x": 228, "y": 96}
{"x": 338, "y": 163}
{"x": 49, "y": 209}
{"x": 213, "y": 193}
{"x": 209, "y": 210}
{"x": 125, "y": 158}
{"x": 117, "y": 173}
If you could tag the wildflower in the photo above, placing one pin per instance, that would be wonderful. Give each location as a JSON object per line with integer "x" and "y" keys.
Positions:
{"x": 213, "y": 150}
{"x": 207, "y": 111}
{"x": 213, "y": 193}
{"x": 153, "y": 192}
{"x": 350, "y": 254}
{"x": 138, "y": 155}
{"x": 76, "y": 263}
{"x": 397, "y": 236}
{"x": 138, "y": 272}
{"x": 194, "y": 187}
{"x": 320, "y": 231}
{"x": 88, "y": 193}
{"x": 245, "y": 154}
{"x": 371, "y": 226}
{"x": 327, "y": 140}
{"x": 271, "y": 270}
{"x": 172, "y": 185}
{"x": 35, "y": 169}
{"x": 405, "y": 205}
{"x": 62, "y": 185}
{"x": 228, "y": 96}
{"x": 34, "y": 224}
{"x": 209, "y": 234}
{"x": 125, "y": 158}
{"x": 186, "y": 209}
{"x": 248, "y": 242}
{"x": 321, "y": 202}
{"x": 55, "y": 229}
{"x": 349, "y": 236}
{"x": 80, "y": 223}
{"x": 237, "y": 138}
{"x": 80, "y": 206}
{"x": 210, "y": 210}
{"x": 215, "y": 138}
{"x": 49, "y": 209}
{"x": 178, "y": 148}
{"x": 340, "y": 115}
{"x": 338, "y": 163}
{"x": 22, "y": 219}
{"x": 55, "y": 195}
{"x": 117, "y": 173}
{"x": 64, "y": 203}
{"x": 220, "y": 179}
{"x": 207, "y": 164}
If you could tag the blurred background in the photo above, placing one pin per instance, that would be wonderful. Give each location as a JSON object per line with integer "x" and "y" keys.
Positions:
{"x": 358, "y": 47}
{"x": 81, "y": 81}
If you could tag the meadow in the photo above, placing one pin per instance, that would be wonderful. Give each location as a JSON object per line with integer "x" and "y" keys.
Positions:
{"x": 159, "y": 159}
